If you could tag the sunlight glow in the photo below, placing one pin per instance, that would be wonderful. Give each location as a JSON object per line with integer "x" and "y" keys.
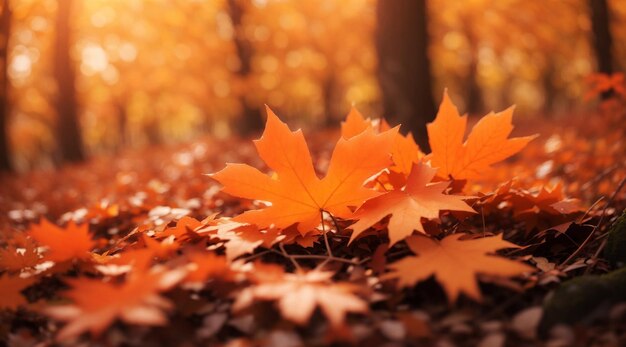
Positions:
{"x": 94, "y": 60}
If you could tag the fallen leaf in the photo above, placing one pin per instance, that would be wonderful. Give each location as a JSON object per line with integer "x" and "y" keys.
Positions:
{"x": 404, "y": 153}
{"x": 297, "y": 195}
{"x": 525, "y": 323}
{"x": 10, "y": 291}
{"x": 63, "y": 244}
{"x": 455, "y": 263}
{"x": 298, "y": 294}
{"x": 96, "y": 304}
{"x": 355, "y": 124}
{"x": 19, "y": 255}
{"x": 419, "y": 199}
{"x": 205, "y": 266}
{"x": 487, "y": 143}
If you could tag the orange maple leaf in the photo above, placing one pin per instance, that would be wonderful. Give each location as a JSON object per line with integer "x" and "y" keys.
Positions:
{"x": 297, "y": 195}
{"x": 487, "y": 143}
{"x": 419, "y": 199}
{"x": 97, "y": 304}
{"x": 240, "y": 238}
{"x": 63, "y": 244}
{"x": 455, "y": 263}
{"x": 205, "y": 266}
{"x": 404, "y": 152}
{"x": 184, "y": 227}
{"x": 298, "y": 295}
{"x": 10, "y": 291}
{"x": 355, "y": 124}
{"x": 20, "y": 254}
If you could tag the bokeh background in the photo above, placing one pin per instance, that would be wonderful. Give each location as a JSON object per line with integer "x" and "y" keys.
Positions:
{"x": 133, "y": 73}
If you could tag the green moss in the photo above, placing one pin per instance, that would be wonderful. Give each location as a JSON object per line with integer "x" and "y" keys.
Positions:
{"x": 575, "y": 300}
{"x": 615, "y": 251}
{"x": 617, "y": 281}
{"x": 579, "y": 298}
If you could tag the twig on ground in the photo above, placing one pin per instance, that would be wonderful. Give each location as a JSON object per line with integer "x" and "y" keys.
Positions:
{"x": 597, "y": 227}
{"x": 287, "y": 255}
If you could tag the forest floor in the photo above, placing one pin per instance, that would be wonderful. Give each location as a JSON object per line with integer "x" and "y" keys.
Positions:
{"x": 155, "y": 209}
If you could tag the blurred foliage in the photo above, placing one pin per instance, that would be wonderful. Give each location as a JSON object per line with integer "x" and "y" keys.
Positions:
{"x": 163, "y": 71}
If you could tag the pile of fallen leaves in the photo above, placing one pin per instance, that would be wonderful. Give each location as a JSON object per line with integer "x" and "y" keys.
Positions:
{"x": 472, "y": 244}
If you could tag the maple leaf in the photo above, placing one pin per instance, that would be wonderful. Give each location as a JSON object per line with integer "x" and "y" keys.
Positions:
{"x": 548, "y": 200}
{"x": 204, "y": 266}
{"x": 487, "y": 143}
{"x": 355, "y": 124}
{"x": 183, "y": 228}
{"x": 297, "y": 195}
{"x": 63, "y": 244}
{"x": 419, "y": 199}
{"x": 10, "y": 291}
{"x": 298, "y": 295}
{"x": 21, "y": 253}
{"x": 97, "y": 304}
{"x": 245, "y": 239}
{"x": 404, "y": 151}
{"x": 535, "y": 207}
{"x": 160, "y": 249}
{"x": 455, "y": 263}
{"x": 241, "y": 238}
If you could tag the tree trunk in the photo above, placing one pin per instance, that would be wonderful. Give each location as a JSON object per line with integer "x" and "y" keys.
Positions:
{"x": 549, "y": 90}
{"x": 5, "y": 28}
{"x": 68, "y": 130}
{"x": 602, "y": 39}
{"x": 474, "y": 93}
{"x": 122, "y": 125}
{"x": 404, "y": 67}
{"x": 475, "y": 102}
{"x": 329, "y": 97}
{"x": 252, "y": 120}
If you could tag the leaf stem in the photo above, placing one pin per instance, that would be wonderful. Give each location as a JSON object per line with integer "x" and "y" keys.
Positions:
{"x": 326, "y": 241}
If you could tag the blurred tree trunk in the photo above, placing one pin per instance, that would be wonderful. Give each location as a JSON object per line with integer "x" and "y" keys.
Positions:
{"x": 602, "y": 39}
{"x": 403, "y": 65}
{"x": 549, "y": 90}
{"x": 252, "y": 120}
{"x": 474, "y": 93}
{"x": 122, "y": 124}
{"x": 68, "y": 132}
{"x": 5, "y": 28}
{"x": 329, "y": 96}
{"x": 475, "y": 102}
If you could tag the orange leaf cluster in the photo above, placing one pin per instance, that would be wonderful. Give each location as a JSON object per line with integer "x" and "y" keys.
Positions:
{"x": 131, "y": 260}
